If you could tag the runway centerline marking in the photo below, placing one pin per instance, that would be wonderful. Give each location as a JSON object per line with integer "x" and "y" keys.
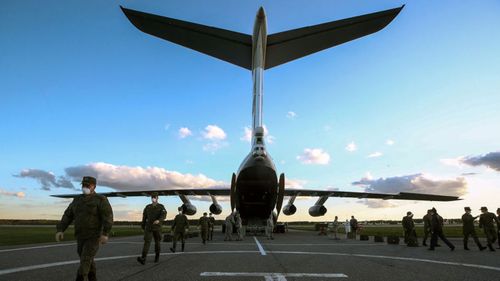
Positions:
{"x": 261, "y": 249}
{"x": 273, "y": 275}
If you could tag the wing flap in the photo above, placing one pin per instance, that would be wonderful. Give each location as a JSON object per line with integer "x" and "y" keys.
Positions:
{"x": 367, "y": 195}
{"x": 293, "y": 44}
{"x": 229, "y": 46}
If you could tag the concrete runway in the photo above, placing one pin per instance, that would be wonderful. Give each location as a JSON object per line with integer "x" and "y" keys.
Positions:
{"x": 296, "y": 255}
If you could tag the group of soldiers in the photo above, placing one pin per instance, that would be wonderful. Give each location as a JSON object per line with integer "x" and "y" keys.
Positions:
{"x": 433, "y": 226}
{"x": 351, "y": 227}
{"x": 233, "y": 221}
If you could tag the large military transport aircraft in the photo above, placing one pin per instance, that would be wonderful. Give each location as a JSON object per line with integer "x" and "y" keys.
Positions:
{"x": 255, "y": 189}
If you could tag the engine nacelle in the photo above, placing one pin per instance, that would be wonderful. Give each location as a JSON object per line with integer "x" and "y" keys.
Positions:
{"x": 289, "y": 210}
{"x": 189, "y": 209}
{"x": 317, "y": 211}
{"x": 215, "y": 209}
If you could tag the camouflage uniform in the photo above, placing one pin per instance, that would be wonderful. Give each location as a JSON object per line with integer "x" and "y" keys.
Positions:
{"x": 151, "y": 213}
{"x": 427, "y": 228}
{"x": 92, "y": 216}
{"x": 229, "y": 228}
{"x": 204, "y": 222}
{"x": 238, "y": 224}
{"x": 179, "y": 228}
{"x": 409, "y": 229}
{"x": 211, "y": 225}
{"x": 468, "y": 229}
{"x": 486, "y": 221}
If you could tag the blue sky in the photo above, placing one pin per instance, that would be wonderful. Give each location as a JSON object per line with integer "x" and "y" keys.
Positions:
{"x": 80, "y": 85}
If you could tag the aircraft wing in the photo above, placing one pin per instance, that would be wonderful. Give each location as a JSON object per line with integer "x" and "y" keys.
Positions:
{"x": 161, "y": 192}
{"x": 367, "y": 195}
{"x": 293, "y": 44}
{"x": 226, "y": 45}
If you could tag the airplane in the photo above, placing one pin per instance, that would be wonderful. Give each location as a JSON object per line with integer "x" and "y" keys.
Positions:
{"x": 255, "y": 189}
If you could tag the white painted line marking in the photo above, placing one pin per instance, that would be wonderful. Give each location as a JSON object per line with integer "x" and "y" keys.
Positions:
{"x": 273, "y": 275}
{"x": 262, "y": 252}
{"x": 37, "y": 247}
{"x": 323, "y": 244}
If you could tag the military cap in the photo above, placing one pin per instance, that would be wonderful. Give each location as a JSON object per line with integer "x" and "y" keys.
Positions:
{"x": 467, "y": 209}
{"x": 89, "y": 180}
{"x": 180, "y": 208}
{"x": 484, "y": 209}
{"x": 434, "y": 210}
{"x": 154, "y": 194}
{"x": 408, "y": 213}
{"x": 205, "y": 213}
{"x": 498, "y": 210}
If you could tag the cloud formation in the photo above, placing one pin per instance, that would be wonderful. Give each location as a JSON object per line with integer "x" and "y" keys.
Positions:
{"x": 125, "y": 178}
{"x": 291, "y": 115}
{"x": 184, "y": 132}
{"x": 314, "y": 156}
{"x": 351, "y": 147}
{"x": 46, "y": 179}
{"x": 417, "y": 183}
{"x": 389, "y": 142}
{"x": 375, "y": 154}
{"x": 490, "y": 160}
{"x": 214, "y": 132}
{"x": 4, "y": 192}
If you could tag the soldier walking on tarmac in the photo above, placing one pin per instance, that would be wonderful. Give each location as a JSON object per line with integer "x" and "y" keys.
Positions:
{"x": 228, "y": 233}
{"x": 427, "y": 226}
{"x": 152, "y": 217}
{"x": 270, "y": 227}
{"x": 93, "y": 218}
{"x": 239, "y": 226}
{"x": 179, "y": 227}
{"x": 487, "y": 222}
{"x": 468, "y": 228}
{"x": 211, "y": 225}
{"x": 437, "y": 230}
{"x": 204, "y": 222}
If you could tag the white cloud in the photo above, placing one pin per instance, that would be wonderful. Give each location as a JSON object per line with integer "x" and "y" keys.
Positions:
{"x": 213, "y": 132}
{"x": 351, "y": 147}
{"x": 125, "y": 178}
{"x": 214, "y": 146}
{"x": 294, "y": 183}
{"x": 456, "y": 162}
{"x": 377, "y": 203}
{"x": 314, "y": 156}
{"x": 184, "y": 132}
{"x": 247, "y": 135}
{"x": 389, "y": 142}
{"x": 490, "y": 160}
{"x": 19, "y": 194}
{"x": 46, "y": 179}
{"x": 375, "y": 154}
{"x": 291, "y": 115}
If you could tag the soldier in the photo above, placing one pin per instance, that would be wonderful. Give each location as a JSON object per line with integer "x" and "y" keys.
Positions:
{"x": 437, "y": 230}
{"x": 354, "y": 226}
{"x": 239, "y": 226}
{"x": 335, "y": 228}
{"x": 270, "y": 227}
{"x": 468, "y": 228}
{"x": 229, "y": 228}
{"x": 498, "y": 227}
{"x": 204, "y": 222}
{"x": 409, "y": 229}
{"x": 487, "y": 222}
{"x": 427, "y": 226}
{"x": 93, "y": 219}
{"x": 152, "y": 217}
{"x": 347, "y": 228}
{"x": 179, "y": 227}
{"x": 211, "y": 225}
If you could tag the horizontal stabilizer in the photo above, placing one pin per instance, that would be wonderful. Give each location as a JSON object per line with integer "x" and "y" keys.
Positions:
{"x": 293, "y": 44}
{"x": 226, "y": 45}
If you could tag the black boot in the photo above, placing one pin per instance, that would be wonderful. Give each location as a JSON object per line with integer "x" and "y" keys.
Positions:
{"x": 92, "y": 276}
{"x": 141, "y": 260}
{"x": 79, "y": 277}
{"x": 482, "y": 248}
{"x": 466, "y": 247}
{"x": 157, "y": 257}
{"x": 182, "y": 247}
{"x": 172, "y": 250}
{"x": 491, "y": 248}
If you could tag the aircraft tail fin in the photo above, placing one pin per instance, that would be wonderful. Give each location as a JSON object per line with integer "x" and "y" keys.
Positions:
{"x": 226, "y": 45}
{"x": 293, "y": 44}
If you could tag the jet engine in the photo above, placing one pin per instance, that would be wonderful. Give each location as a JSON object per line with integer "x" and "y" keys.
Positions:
{"x": 317, "y": 211}
{"x": 215, "y": 209}
{"x": 289, "y": 209}
{"x": 189, "y": 209}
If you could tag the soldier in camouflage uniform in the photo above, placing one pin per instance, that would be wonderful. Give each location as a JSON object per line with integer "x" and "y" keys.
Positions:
{"x": 152, "y": 217}
{"x": 229, "y": 222}
{"x": 468, "y": 228}
{"x": 211, "y": 225}
{"x": 487, "y": 222}
{"x": 93, "y": 218}
{"x": 427, "y": 226}
{"x": 179, "y": 228}
{"x": 204, "y": 222}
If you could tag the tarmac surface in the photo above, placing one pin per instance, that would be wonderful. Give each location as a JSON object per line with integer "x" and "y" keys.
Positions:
{"x": 296, "y": 255}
